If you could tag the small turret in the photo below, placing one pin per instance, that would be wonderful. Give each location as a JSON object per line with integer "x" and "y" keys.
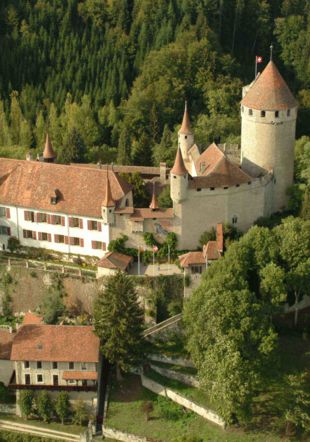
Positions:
{"x": 178, "y": 179}
{"x": 108, "y": 204}
{"x": 185, "y": 135}
{"x": 49, "y": 155}
{"x": 154, "y": 203}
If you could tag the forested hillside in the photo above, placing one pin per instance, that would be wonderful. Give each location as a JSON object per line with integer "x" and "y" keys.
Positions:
{"x": 108, "y": 78}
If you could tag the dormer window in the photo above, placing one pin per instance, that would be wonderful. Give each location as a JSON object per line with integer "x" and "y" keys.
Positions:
{"x": 54, "y": 197}
{"x": 263, "y": 113}
{"x": 276, "y": 114}
{"x": 250, "y": 111}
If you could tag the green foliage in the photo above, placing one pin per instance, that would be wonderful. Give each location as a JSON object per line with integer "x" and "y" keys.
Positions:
{"x": 118, "y": 245}
{"x": 208, "y": 235}
{"x": 150, "y": 240}
{"x": 119, "y": 321}
{"x": 13, "y": 244}
{"x": 164, "y": 199}
{"x": 298, "y": 403}
{"x": 168, "y": 409}
{"x": 53, "y": 304}
{"x": 140, "y": 195}
{"x": 232, "y": 340}
{"x": 44, "y": 406}
{"x": 62, "y": 406}
{"x": 80, "y": 413}
{"x": 26, "y": 402}
{"x": 147, "y": 408}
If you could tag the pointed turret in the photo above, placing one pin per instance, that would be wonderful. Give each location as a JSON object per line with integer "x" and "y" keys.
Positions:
{"x": 269, "y": 91}
{"x": 179, "y": 167}
{"x": 186, "y": 124}
{"x": 49, "y": 155}
{"x": 185, "y": 135}
{"x": 108, "y": 200}
{"x": 154, "y": 202}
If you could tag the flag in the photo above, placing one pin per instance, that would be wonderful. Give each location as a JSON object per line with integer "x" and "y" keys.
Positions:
{"x": 155, "y": 249}
{"x": 259, "y": 59}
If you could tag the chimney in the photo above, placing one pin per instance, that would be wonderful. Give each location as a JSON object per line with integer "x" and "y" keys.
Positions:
{"x": 29, "y": 156}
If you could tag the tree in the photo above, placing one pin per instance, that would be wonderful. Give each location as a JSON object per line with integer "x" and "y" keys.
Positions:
{"x": 26, "y": 402}
{"x": 208, "y": 235}
{"x": 44, "y": 405}
{"x": 298, "y": 402}
{"x": 140, "y": 195}
{"x": 164, "y": 198}
{"x": 62, "y": 406}
{"x": 53, "y": 305}
{"x": 298, "y": 282}
{"x": 73, "y": 149}
{"x": 80, "y": 413}
{"x": 13, "y": 244}
{"x": 118, "y": 321}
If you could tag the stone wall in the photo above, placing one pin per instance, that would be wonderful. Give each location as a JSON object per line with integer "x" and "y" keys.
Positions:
{"x": 169, "y": 360}
{"x": 120, "y": 435}
{"x": 176, "y": 375}
{"x": 181, "y": 400}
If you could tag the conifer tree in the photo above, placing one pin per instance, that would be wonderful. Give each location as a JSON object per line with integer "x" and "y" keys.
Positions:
{"x": 119, "y": 323}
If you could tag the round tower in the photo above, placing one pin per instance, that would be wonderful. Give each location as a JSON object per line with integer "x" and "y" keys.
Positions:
{"x": 185, "y": 135}
{"x": 268, "y": 123}
{"x": 178, "y": 179}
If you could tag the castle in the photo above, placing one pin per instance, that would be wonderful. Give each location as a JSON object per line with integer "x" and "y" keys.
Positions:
{"x": 79, "y": 209}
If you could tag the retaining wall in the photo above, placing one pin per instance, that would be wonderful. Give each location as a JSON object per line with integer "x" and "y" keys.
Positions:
{"x": 166, "y": 392}
{"x": 120, "y": 435}
{"x": 174, "y": 361}
{"x": 186, "y": 379}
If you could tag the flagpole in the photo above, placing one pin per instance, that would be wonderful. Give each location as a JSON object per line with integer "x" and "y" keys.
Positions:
{"x": 139, "y": 261}
{"x": 153, "y": 262}
{"x": 255, "y": 67}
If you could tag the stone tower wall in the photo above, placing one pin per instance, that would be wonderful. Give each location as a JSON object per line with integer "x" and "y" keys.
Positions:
{"x": 267, "y": 143}
{"x": 185, "y": 141}
{"x": 178, "y": 187}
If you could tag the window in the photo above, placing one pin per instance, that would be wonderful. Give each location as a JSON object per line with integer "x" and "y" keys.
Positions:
{"x": 71, "y": 365}
{"x": 42, "y": 236}
{"x": 39, "y": 364}
{"x": 29, "y": 234}
{"x": 76, "y": 241}
{"x": 98, "y": 245}
{"x": 55, "y": 365}
{"x": 199, "y": 189}
{"x": 262, "y": 113}
{"x": 59, "y": 220}
{"x": 41, "y": 218}
{"x": 29, "y": 216}
{"x": 288, "y": 113}
{"x": 60, "y": 239}
{"x": 250, "y": 112}
{"x": 196, "y": 269}
{"x": 276, "y": 114}
{"x": 185, "y": 137}
{"x": 94, "y": 225}
{"x": 76, "y": 222}
{"x": 27, "y": 379}
{"x": 40, "y": 378}
{"x": 4, "y": 230}
{"x": 26, "y": 364}
{"x": 2, "y": 212}
{"x": 83, "y": 366}
{"x": 234, "y": 219}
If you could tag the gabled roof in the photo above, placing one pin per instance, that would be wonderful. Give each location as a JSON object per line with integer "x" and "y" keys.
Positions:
{"x": 186, "y": 124}
{"x": 115, "y": 261}
{"x": 269, "y": 91}
{"x": 220, "y": 237}
{"x": 220, "y": 173}
{"x": 179, "y": 167}
{"x": 191, "y": 258}
{"x": 154, "y": 203}
{"x": 6, "y": 341}
{"x": 211, "y": 252}
{"x": 59, "y": 343}
{"x": 32, "y": 318}
{"x": 48, "y": 152}
{"x": 108, "y": 200}
{"x": 81, "y": 190}
{"x": 208, "y": 159}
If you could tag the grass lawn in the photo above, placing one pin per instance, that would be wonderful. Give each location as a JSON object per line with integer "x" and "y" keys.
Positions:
{"x": 125, "y": 414}
{"x": 67, "y": 428}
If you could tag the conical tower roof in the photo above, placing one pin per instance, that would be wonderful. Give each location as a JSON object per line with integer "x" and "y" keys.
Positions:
{"x": 179, "y": 167}
{"x": 108, "y": 199}
{"x": 186, "y": 124}
{"x": 48, "y": 153}
{"x": 154, "y": 203}
{"x": 269, "y": 91}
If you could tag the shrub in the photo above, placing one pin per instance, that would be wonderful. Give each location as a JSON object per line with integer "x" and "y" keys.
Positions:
{"x": 26, "y": 402}
{"x": 45, "y": 407}
{"x": 81, "y": 414}
{"x": 13, "y": 244}
{"x": 62, "y": 406}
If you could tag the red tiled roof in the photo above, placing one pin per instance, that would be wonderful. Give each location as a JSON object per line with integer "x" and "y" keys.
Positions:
{"x": 108, "y": 200}
{"x": 154, "y": 202}
{"x": 210, "y": 251}
{"x": 143, "y": 170}
{"x": 59, "y": 343}
{"x": 208, "y": 159}
{"x": 32, "y": 318}
{"x": 48, "y": 152}
{"x": 179, "y": 167}
{"x": 81, "y": 190}
{"x": 80, "y": 375}
{"x": 224, "y": 173}
{"x": 269, "y": 91}
{"x": 141, "y": 214}
{"x": 186, "y": 124}
{"x": 191, "y": 258}
{"x": 115, "y": 260}
{"x": 6, "y": 341}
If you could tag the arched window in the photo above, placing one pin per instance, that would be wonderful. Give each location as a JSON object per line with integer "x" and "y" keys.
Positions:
{"x": 250, "y": 111}
{"x": 234, "y": 219}
{"x": 262, "y": 114}
{"x": 276, "y": 114}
